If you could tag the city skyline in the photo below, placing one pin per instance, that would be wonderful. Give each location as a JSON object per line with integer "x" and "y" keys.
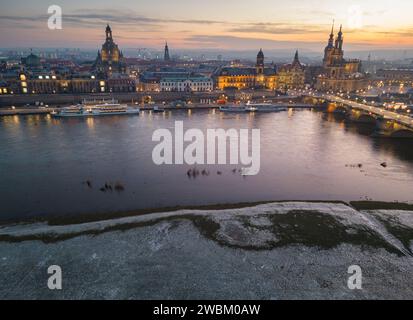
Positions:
{"x": 230, "y": 25}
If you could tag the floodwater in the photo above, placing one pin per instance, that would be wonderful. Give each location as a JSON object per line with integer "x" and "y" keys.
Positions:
{"x": 305, "y": 155}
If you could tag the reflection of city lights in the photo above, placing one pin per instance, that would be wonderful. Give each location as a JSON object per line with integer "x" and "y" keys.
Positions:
{"x": 90, "y": 123}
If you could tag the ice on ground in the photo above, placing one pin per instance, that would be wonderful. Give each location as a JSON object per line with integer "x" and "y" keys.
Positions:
{"x": 398, "y": 223}
{"x": 289, "y": 250}
{"x": 347, "y": 214}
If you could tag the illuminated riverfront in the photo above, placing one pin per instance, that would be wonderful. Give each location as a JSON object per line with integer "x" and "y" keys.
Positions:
{"x": 224, "y": 150}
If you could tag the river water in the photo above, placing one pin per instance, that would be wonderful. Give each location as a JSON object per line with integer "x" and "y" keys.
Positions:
{"x": 305, "y": 155}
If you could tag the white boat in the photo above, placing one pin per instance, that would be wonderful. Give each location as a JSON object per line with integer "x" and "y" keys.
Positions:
{"x": 233, "y": 108}
{"x": 87, "y": 109}
{"x": 157, "y": 109}
{"x": 264, "y": 107}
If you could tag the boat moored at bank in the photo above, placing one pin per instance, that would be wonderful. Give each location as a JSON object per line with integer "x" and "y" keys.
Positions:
{"x": 233, "y": 108}
{"x": 87, "y": 109}
{"x": 264, "y": 107}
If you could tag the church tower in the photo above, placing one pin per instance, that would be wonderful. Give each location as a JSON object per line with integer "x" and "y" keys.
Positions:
{"x": 260, "y": 63}
{"x": 296, "y": 61}
{"x": 166, "y": 55}
{"x": 339, "y": 41}
{"x": 259, "y": 67}
{"x": 329, "y": 50}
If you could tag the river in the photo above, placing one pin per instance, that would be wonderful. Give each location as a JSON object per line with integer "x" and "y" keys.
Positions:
{"x": 305, "y": 155}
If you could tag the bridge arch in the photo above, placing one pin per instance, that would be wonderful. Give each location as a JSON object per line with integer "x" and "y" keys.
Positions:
{"x": 402, "y": 133}
{"x": 367, "y": 118}
{"x": 341, "y": 109}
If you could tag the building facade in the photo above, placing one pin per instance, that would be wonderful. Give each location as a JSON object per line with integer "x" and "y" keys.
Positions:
{"x": 4, "y": 87}
{"x": 291, "y": 76}
{"x": 340, "y": 74}
{"x": 50, "y": 83}
{"x": 395, "y": 76}
{"x": 190, "y": 84}
{"x": 248, "y": 77}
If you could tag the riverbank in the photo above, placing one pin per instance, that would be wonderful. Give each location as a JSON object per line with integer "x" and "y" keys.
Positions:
{"x": 133, "y": 97}
{"x": 199, "y": 106}
{"x": 48, "y": 110}
{"x": 277, "y": 250}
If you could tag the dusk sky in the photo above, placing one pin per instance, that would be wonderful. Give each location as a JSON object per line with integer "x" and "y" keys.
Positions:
{"x": 214, "y": 24}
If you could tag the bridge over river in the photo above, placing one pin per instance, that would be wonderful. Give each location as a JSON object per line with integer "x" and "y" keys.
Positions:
{"x": 389, "y": 123}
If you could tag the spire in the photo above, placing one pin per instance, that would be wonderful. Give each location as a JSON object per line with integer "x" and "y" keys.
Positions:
{"x": 296, "y": 57}
{"x": 339, "y": 41}
{"x": 296, "y": 61}
{"x": 108, "y": 32}
{"x": 331, "y": 39}
{"x": 340, "y": 33}
{"x": 166, "y": 54}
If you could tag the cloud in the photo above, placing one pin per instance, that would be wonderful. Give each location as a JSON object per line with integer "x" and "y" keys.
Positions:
{"x": 233, "y": 42}
{"x": 276, "y": 28}
{"x": 98, "y": 17}
{"x": 133, "y": 28}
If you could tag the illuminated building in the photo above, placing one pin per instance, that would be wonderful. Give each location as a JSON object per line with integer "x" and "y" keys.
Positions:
{"x": 291, "y": 76}
{"x": 395, "y": 76}
{"x": 110, "y": 59}
{"x": 340, "y": 74}
{"x": 190, "y": 84}
{"x": 248, "y": 77}
{"x": 46, "y": 83}
{"x": 4, "y": 88}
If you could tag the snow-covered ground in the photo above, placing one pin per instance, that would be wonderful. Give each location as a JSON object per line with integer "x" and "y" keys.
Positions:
{"x": 291, "y": 250}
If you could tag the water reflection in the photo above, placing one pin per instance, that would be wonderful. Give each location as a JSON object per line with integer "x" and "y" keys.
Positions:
{"x": 305, "y": 155}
